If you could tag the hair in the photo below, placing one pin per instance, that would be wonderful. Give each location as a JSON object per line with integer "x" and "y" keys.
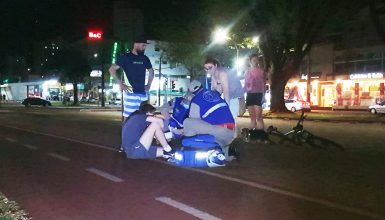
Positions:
{"x": 213, "y": 61}
{"x": 254, "y": 55}
{"x": 144, "y": 108}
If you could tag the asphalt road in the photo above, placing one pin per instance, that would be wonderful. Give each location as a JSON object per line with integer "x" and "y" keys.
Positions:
{"x": 62, "y": 164}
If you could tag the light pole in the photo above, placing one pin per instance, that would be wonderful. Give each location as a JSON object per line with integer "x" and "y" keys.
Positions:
{"x": 96, "y": 35}
{"x": 160, "y": 75}
{"x": 220, "y": 36}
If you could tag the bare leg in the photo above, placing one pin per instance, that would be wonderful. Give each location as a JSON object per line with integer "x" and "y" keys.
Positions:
{"x": 154, "y": 129}
{"x": 253, "y": 116}
{"x": 259, "y": 118}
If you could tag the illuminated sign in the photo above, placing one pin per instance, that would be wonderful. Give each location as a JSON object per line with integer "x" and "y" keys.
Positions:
{"x": 366, "y": 76}
{"x": 304, "y": 76}
{"x": 96, "y": 73}
{"x": 95, "y": 35}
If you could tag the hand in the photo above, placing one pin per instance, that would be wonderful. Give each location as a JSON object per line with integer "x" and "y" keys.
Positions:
{"x": 123, "y": 86}
{"x": 147, "y": 88}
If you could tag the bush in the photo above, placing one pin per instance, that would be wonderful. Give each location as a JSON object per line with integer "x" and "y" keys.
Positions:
{"x": 10, "y": 210}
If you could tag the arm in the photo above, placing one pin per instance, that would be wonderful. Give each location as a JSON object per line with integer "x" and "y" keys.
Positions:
{"x": 155, "y": 119}
{"x": 150, "y": 78}
{"x": 166, "y": 108}
{"x": 112, "y": 70}
{"x": 224, "y": 79}
{"x": 194, "y": 111}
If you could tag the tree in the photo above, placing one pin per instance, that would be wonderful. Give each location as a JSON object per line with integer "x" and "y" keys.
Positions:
{"x": 72, "y": 66}
{"x": 187, "y": 54}
{"x": 377, "y": 10}
{"x": 288, "y": 30}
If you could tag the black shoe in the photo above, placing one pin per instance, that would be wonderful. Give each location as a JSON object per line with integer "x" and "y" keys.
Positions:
{"x": 245, "y": 135}
{"x": 122, "y": 152}
{"x": 169, "y": 154}
{"x": 233, "y": 151}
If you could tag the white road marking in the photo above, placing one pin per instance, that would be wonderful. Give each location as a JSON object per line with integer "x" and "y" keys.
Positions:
{"x": 185, "y": 208}
{"x": 64, "y": 138}
{"x": 58, "y": 156}
{"x": 31, "y": 147}
{"x": 10, "y": 139}
{"x": 104, "y": 175}
{"x": 283, "y": 192}
{"x": 237, "y": 180}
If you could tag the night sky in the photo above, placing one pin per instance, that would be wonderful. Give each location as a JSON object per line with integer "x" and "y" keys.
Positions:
{"x": 25, "y": 21}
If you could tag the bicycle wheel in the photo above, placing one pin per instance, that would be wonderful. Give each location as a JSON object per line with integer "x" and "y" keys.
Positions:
{"x": 323, "y": 143}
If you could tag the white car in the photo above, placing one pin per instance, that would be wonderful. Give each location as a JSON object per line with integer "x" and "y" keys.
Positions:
{"x": 115, "y": 101}
{"x": 377, "y": 108}
{"x": 297, "y": 105}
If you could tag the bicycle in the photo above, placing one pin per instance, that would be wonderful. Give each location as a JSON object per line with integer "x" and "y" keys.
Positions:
{"x": 298, "y": 135}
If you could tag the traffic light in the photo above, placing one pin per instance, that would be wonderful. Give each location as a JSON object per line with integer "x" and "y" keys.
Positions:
{"x": 173, "y": 84}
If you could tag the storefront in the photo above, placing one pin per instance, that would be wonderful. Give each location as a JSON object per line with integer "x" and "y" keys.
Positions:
{"x": 353, "y": 91}
{"x": 359, "y": 90}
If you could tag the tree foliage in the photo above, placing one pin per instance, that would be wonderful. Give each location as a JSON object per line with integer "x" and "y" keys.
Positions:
{"x": 187, "y": 54}
{"x": 288, "y": 29}
{"x": 72, "y": 66}
{"x": 377, "y": 13}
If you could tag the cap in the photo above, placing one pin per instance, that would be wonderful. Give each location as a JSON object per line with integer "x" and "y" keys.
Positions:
{"x": 140, "y": 39}
{"x": 194, "y": 86}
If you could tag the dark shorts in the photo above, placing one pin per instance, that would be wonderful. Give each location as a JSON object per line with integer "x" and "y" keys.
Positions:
{"x": 138, "y": 151}
{"x": 254, "y": 99}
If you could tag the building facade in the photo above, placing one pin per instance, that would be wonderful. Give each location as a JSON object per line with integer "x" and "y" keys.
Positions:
{"x": 346, "y": 74}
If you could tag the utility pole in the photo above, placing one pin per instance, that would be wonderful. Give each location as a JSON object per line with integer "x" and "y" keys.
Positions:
{"x": 96, "y": 35}
{"x": 308, "y": 89}
{"x": 102, "y": 67}
{"x": 160, "y": 75}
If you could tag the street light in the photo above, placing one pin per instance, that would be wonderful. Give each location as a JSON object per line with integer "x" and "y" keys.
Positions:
{"x": 220, "y": 36}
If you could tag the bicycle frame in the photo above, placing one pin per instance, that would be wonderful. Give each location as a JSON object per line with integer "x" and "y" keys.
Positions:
{"x": 299, "y": 127}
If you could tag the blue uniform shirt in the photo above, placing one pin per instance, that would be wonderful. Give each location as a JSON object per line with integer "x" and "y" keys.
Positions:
{"x": 133, "y": 129}
{"x": 135, "y": 68}
{"x": 213, "y": 109}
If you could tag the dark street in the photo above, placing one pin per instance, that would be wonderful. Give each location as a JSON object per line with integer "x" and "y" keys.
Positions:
{"x": 63, "y": 164}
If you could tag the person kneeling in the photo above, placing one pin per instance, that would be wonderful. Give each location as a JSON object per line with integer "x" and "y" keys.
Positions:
{"x": 138, "y": 133}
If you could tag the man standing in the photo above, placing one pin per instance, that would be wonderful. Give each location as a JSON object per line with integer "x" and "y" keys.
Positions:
{"x": 134, "y": 65}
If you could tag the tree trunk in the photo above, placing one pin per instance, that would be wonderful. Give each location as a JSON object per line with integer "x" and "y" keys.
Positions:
{"x": 277, "y": 93}
{"x": 76, "y": 100}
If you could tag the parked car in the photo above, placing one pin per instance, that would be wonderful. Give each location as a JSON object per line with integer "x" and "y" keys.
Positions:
{"x": 377, "y": 108}
{"x": 28, "y": 102}
{"x": 115, "y": 101}
{"x": 297, "y": 105}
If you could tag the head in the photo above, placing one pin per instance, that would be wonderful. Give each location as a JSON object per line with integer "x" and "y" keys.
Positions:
{"x": 194, "y": 86}
{"x": 211, "y": 65}
{"x": 140, "y": 44}
{"x": 254, "y": 60}
{"x": 146, "y": 108}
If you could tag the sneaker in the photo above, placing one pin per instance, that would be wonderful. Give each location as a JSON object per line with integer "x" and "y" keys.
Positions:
{"x": 245, "y": 135}
{"x": 121, "y": 150}
{"x": 233, "y": 151}
{"x": 168, "y": 155}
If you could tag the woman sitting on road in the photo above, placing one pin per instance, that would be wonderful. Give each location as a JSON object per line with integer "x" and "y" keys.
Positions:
{"x": 138, "y": 133}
